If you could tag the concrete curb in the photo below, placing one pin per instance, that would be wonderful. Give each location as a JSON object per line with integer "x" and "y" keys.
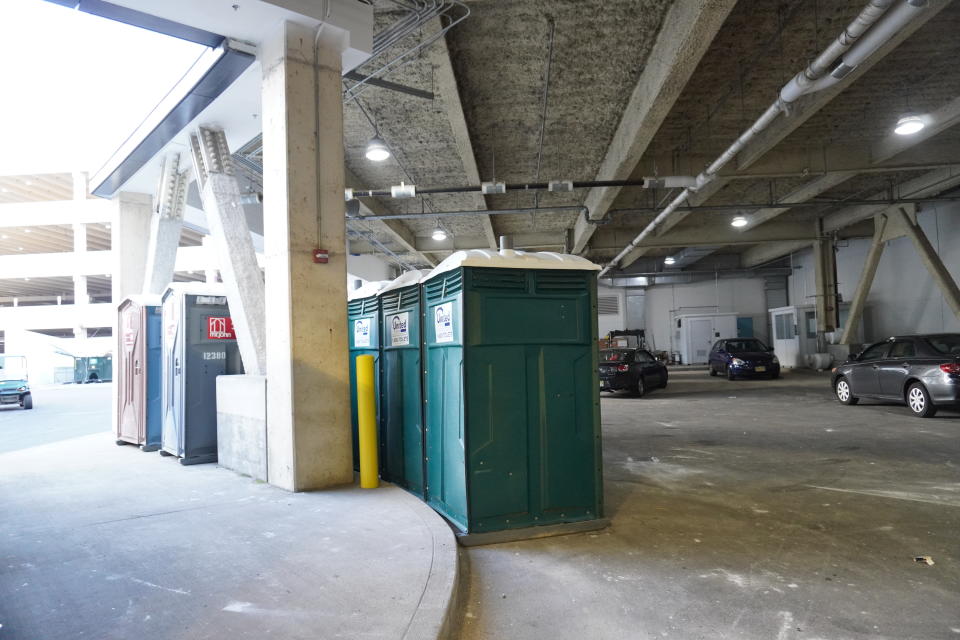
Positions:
{"x": 436, "y": 617}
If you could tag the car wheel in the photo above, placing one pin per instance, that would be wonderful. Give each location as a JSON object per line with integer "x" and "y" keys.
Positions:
{"x": 639, "y": 388}
{"x": 27, "y": 402}
{"x": 730, "y": 374}
{"x": 774, "y": 376}
{"x": 713, "y": 372}
{"x": 919, "y": 401}
{"x": 844, "y": 392}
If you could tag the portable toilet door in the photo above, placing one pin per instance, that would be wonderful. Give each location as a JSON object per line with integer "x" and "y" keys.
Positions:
{"x": 199, "y": 345}
{"x": 150, "y": 436}
{"x": 363, "y": 335}
{"x": 131, "y": 370}
{"x": 401, "y": 383}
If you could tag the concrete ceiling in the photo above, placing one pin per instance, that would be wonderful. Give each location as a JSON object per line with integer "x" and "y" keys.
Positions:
{"x": 499, "y": 56}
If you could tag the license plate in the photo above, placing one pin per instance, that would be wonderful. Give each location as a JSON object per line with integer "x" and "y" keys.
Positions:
{"x": 601, "y": 384}
{"x": 16, "y": 399}
{"x": 760, "y": 369}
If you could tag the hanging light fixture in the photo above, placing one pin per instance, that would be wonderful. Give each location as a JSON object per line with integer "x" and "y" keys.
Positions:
{"x": 738, "y": 222}
{"x": 909, "y": 124}
{"x": 669, "y": 260}
{"x": 377, "y": 149}
{"x": 439, "y": 234}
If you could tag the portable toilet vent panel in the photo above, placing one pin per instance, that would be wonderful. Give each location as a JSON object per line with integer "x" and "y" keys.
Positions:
{"x": 512, "y": 400}
{"x": 363, "y": 334}
{"x": 401, "y": 383}
{"x": 198, "y": 345}
{"x": 139, "y": 372}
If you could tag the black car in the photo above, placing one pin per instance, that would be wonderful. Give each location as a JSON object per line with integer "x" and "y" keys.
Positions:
{"x": 632, "y": 370}
{"x": 736, "y": 357}
{"x": 922, "y": 372}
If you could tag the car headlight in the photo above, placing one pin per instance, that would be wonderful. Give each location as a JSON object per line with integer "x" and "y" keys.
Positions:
{"x": 774, "y": 360}
{"x": 738, "y": 362}
{"x": 21, "y": 388}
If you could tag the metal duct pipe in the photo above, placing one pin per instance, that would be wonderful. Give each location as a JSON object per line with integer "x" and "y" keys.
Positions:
{"x": 800, "y": 84}
{"x": 488, "y": 212}
{"x": 662, "y": 182}
{"x": 506, "y": 242}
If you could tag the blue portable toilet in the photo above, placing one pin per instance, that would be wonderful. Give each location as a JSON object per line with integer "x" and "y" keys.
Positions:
{"x": 139, "y": 372}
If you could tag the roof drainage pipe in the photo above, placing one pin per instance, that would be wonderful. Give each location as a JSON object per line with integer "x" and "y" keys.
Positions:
{"x": 872, "y": 27}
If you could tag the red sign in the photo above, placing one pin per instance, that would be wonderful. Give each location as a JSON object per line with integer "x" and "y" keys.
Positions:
{"x": 219, "y": 328}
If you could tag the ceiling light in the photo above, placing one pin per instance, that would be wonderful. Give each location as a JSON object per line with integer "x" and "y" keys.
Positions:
{"x": 669, "y": 260}
{"x": 909, "y": 124}
{"x": 4, "y": 237}
{"x": 377, "y": 149}
{"x": 27, "y": 182}
{"x": 107, "y": 225}
{"x": 739, "y": 221}
{"x": 19, "y": 248}
{"x": 26, "y": 230}
{"x": 439, "y": 234}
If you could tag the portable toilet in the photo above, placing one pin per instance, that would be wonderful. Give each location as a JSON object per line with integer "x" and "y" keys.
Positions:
{"x": 198, "y": 345}
{"x": 363, "y": 334}
{"x": 401, "y": 383}
{"x": 511, "y": 391}
{"x": 139, "y": 372}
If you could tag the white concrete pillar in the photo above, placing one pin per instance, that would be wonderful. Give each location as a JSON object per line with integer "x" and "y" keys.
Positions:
{"x": 161, "y": 253}
{"x": 308, "y": 406}
{"x": 80, "y": 295}
{"x": 210, "y": 272}
{"x": 80, "y": 185}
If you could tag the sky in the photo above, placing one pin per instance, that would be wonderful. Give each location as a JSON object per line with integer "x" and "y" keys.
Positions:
{"x": 76, "y": 85}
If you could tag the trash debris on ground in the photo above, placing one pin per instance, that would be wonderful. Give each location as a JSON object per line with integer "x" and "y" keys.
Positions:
{"x": 924, "y": 560}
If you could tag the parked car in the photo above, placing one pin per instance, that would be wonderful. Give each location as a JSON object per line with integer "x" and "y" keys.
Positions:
{"x": 743, "y": 357}
{"x": 632, "y": 370}
{"x": 921, "y": 371}
{"x": 13, "y": 382}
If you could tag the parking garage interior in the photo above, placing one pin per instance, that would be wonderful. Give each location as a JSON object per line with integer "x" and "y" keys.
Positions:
{"x": 424, "y": 232}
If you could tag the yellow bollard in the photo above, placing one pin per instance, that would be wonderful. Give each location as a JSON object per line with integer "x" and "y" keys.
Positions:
{"x": 367, "y": 423}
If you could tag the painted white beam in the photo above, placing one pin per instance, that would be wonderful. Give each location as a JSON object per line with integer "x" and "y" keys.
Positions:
{"x": 446, "y": 86}
{"x": 62, "y": 316}
{"x": 37, "y": 214}
{"x": 688, "y": 29}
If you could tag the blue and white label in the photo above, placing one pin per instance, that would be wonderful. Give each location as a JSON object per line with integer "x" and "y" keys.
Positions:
{"x": 443, "y": 322}
{"x": 399, "y": 329}
{"x": 361, "y": 332}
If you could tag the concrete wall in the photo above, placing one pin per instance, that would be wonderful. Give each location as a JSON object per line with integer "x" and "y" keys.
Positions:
{"x": 904, "y": 298}
{"x": 367, "y": 268}
{"x": 743, "y": 296}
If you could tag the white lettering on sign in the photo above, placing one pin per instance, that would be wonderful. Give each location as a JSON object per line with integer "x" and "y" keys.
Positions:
{"x": 361, "y": 332}
{"x": 214, "y": 355}
{"x": 399, "y": 329}
{"x": 443, "y": 322}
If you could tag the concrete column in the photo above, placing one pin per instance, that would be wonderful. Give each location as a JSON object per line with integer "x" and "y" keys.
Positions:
{"x": 825, "y": 277}
{"x": 308, "y": 406}
{"x": 866, "y": 279}
{"x": 80, "y": 295}
{"x": 130, "y": 236}
{"x": 80, "y": 185}
{"x": 210, "y": 273}
{"x": 165, "y": 225}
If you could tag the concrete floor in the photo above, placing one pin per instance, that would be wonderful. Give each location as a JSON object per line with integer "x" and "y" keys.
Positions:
{"x": 107, "y": 542}
{"x": 746, "y": 509}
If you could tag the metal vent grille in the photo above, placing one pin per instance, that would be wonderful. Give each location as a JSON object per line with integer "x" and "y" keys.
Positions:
{"x": 608, "y": 305}
{"x": 441, "y": 287}
{"x": 514, "y": 279}
{"x": 548, "y": 282}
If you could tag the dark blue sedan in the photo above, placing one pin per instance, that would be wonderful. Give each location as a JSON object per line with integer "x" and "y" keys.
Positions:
{"x": 743, "y": 357}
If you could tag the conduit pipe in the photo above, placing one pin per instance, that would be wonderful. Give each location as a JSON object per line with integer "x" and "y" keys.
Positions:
{"x": 875, "y": 15}
{"x": 660, "y": 182}
{"x": 489, "y": 212}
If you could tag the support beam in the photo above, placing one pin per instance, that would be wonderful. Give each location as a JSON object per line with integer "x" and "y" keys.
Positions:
{"x": 308, "y": 411}
{"x": 397, "y": 229}
{"x": 165, "y": 226}
{"x": 232, "y": 245}
{"x": 688, "y": 29}
{"x": 933, "y": 262}
{"x": 449, "y": 93}
{"x": 866, "y": 280}
{"x": 800, "y": 111}
{"x": 825, "y": 279}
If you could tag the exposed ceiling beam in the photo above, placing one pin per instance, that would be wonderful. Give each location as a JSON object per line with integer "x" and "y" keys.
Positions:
{"x": 397, "y": 229}
{"x": 926, "y": 186}
{"x": 800, "y": 111}
{"x": 688, "y": 29}
{"x": 449, "y": 92}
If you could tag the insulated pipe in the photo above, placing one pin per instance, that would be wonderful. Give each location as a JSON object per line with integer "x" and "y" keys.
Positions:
{"x": 798, "y": 85}
{"x": 489, "y": 212}
{"x": 662, "y": 182}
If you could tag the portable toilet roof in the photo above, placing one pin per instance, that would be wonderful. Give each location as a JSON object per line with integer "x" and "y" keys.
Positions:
{"x": 143, "y": 299}
{"x": 406, "y": 279}
{"x": 195, "y": 288}
{"x": 371, "y": 288}
{"x": 511, "y": 259}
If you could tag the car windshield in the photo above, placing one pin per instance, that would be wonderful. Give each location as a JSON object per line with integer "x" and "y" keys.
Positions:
{"x": 743, "y": 346}
{"x": 13, "y": 368}
{"x": 616, "y": 355}
{"x": 947, "y": 344}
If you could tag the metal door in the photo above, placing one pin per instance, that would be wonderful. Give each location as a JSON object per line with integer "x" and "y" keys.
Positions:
{"x": 131, "y": 421}
{"x": 701, "y": 337}
{"x": 785, "y": 342}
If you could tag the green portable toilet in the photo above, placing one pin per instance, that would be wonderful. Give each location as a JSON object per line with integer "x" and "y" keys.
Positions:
{"x": 401, "y": 383}
{"x": 363, "y": 334}
{"x": 511, "y": 390}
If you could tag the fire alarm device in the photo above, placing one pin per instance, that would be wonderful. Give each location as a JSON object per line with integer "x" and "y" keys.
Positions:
{"x": 321, "y": 256}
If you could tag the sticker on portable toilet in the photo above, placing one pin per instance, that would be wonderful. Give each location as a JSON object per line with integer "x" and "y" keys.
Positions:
{"x": 220, "y": 328}
{"x": 361, "y": 333}
{"x": 129, "y": 331}
{"x": 400, "y": 329}
{"x": 443, "y": 322}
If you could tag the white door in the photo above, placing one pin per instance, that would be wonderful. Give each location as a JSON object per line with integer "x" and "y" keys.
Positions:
{"x": 701, "y": 339}
{"x": 786, "y": 343}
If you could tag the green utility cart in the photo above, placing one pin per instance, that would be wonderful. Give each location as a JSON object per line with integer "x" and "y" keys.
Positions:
{"x": 401, "y": 383}
{"x": 363, "y": 334}
{"x": 511, "y": 392}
